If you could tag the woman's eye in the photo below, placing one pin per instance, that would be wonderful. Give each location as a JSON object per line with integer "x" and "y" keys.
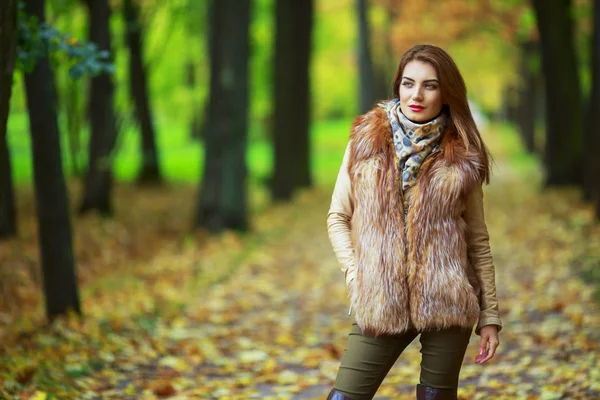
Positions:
{"x": 407, "y": 84}
{"x": 431, "y": 87}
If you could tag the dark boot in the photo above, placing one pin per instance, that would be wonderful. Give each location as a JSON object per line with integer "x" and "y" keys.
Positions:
{"x": 429, "y": 393}
{"x": 335, "y": 395}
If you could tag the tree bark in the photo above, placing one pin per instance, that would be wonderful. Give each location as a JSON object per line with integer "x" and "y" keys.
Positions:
{"x": 58, "y": 263}
{"x": 138, "y": 82}
{"x": 291, "y": 125}
{"x": 593, "y": 123}
{"x": 591, "y": 183}
{"x": 527, "y": 96}
{"x": 103, "y": 134}
{"x": 365, "y": 63}
{"x": 564, "y": 143}
{"x": 8, "y": 45}
{"x": 222, "y": 203}
{"x": 8, "y": 211}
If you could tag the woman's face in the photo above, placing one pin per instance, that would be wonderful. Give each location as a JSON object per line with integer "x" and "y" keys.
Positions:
{"x": 420, "y": 95}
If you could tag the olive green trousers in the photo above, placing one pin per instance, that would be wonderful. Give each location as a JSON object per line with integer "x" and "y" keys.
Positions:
{"x": 367, "y": 360}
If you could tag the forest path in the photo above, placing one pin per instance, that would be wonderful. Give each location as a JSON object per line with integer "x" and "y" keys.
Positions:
{"x": 265, "y": 315}
{"x": 277, "y": 328}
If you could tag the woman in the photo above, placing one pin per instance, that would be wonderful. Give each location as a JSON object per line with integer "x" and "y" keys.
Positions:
{"x": 406, "y": 223}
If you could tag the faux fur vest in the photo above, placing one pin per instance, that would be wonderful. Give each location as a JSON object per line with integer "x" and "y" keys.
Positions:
{"x": 411, "y": 269}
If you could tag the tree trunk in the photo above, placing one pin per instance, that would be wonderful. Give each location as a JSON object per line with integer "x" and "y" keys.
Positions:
{"x": 527, "y": 96}
{"x": 103, "y": 134}
{"x": 8, "y": 212}
{"x": 58, "y": 264}
{"x": 139, "y": 92}
{"x": 384, "y": 60}
{"x": 593, "y": 123}
{"x": 222, "y": 200}
{"x": 197, "y": 121}
{"x": 564, "y": 144}
{"x": 291, "y": 125}
{"x": 591, "y": 183}
{"x": 8, "y": 45}
{"x": 365, "y": 63}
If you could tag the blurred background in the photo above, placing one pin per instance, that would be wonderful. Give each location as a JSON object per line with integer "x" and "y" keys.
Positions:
{"x": 166, "y": 169}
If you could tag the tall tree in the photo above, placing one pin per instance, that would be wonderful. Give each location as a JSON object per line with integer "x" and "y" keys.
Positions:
{"x": 222, "y": 203}
{"x": 293, "y": 25}
{"x": 526, "y": 111}
{"x": 593, "y": 122}
{"x": 103, "y": 133}
{"x": 365, "y": 63}
{"x": 138, "y": 84}
{"x": 58, "y": 263}
{"x": 564, "y": 143}
{"x": 8, "y": 45}
{"x": 383, "y": 55}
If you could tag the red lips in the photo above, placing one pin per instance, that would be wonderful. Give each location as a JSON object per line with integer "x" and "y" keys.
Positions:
{"x": 416, "y": 108}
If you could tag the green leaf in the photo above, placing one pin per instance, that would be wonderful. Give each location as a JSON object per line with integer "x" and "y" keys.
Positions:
{"x": 76, "y": 370}
{"x": 76, "y": 71}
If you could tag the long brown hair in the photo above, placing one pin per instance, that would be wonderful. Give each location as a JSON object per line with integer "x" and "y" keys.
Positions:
{"x": 454, "y": 95}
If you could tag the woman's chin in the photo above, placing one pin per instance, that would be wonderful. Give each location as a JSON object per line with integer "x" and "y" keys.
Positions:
{"x": 417, "y": 117}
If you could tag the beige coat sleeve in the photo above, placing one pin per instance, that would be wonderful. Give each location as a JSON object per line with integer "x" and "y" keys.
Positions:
{"x": 480, "y": 256}
{"x": 338, "y": 221}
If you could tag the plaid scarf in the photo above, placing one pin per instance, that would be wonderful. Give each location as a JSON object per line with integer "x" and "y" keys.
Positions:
{"x": 413, "y": 141}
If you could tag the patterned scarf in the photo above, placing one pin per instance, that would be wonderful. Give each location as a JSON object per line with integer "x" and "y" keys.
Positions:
{"x": 413, "y": 141}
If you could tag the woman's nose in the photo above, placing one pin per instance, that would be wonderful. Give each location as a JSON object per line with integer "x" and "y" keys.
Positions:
{"x": 417, "y": 95}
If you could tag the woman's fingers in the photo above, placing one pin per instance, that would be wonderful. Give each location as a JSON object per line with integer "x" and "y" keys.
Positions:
{"x": 483, "y": 344}
{"x": 490, "y": 352}
{"x": 482, "y": 348}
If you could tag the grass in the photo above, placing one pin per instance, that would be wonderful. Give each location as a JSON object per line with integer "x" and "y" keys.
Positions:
{"x": 511, "y": 149}
{"x": 181, "y": 157}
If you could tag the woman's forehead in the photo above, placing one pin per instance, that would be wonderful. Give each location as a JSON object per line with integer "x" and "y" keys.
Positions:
{"x": 419, "y": 70}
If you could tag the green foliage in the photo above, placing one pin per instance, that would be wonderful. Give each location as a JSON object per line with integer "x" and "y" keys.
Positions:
{"x": 334, "y": 79}
{"x": 262, "y": 33}
{"x": 527, "y": 23}
{"x": 34, "y": 38}
{"x": 176, "y": 54}
{"x": 581, "y": 13}
{"x": 181, "y": 158}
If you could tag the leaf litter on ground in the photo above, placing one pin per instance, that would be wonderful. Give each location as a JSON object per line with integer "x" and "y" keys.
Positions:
{"x": 263, "y": 315}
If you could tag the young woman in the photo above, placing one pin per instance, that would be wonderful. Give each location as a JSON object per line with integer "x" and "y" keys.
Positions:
{"x": 406, "y": 223}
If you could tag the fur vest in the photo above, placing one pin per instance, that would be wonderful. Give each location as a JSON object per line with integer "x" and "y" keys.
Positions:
{"x": 411, "y": 268}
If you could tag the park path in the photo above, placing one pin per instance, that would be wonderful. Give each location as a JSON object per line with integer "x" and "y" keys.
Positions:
{"x": 277, "y": 328}
{"x": 183, "y": 326}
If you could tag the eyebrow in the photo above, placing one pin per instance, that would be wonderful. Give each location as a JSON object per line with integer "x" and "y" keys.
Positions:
{"x": 427, "y": 80}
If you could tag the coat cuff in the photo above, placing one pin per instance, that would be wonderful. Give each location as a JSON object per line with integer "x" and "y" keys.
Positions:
{"x": 483, "y": 321}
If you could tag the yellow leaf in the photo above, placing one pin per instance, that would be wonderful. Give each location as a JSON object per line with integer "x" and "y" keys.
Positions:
{"x": 250, "y": 356}
{"x": 270, "y": 366}
{"x": 39, "y": 396}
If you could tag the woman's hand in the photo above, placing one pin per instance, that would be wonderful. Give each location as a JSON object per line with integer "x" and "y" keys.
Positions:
{"x": 489, "y": 343}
